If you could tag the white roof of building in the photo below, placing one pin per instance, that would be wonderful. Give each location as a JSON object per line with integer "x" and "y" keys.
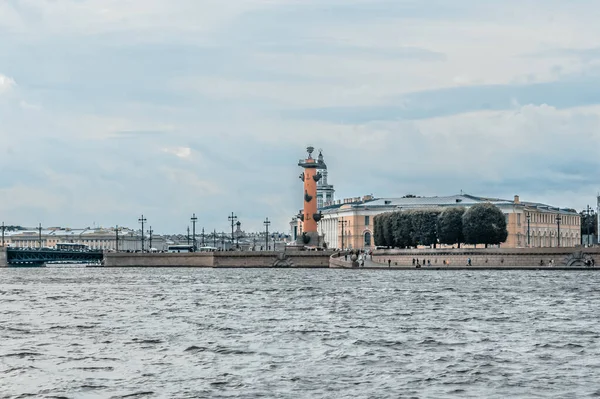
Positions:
{"x": 443, "y": 201}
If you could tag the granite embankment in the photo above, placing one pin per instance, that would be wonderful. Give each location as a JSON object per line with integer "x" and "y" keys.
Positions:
{"x": 3, "y": 262}
{"x": 490, "y": 258}
{"x": 343, "y": 260}
{"x": 246, "y": 259}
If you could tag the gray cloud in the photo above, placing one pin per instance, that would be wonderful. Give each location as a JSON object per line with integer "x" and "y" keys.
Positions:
{"x": 577, "y": 91}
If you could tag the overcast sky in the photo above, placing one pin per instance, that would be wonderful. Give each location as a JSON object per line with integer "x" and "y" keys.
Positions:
{"x": 114, "y": 108}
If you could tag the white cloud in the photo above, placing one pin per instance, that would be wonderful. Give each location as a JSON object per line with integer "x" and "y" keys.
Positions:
{"x": 25, "y": 105}
{"x": 180, "y": 152}
{"x": 6, "y": 84}
{"x": 203, "y": 187}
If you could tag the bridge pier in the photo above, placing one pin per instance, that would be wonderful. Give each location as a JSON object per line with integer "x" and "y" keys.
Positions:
{"x": 3, "y": 261}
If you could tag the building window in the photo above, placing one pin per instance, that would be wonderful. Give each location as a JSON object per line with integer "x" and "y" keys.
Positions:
{"x": 367, "y": 239}
{"x": 518, "y": 219}
{"x": 367, "y": 220}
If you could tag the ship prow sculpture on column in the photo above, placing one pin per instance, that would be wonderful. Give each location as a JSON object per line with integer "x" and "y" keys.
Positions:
{"x": 309, "y": 216}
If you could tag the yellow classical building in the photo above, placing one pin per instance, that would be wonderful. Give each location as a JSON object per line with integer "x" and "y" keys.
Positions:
{"x": 349, "y": 223}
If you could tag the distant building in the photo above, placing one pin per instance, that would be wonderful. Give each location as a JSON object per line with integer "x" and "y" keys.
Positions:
{"x": 356, "y": 216}
{"x": 105, "y": 239}
{"x": 325, "y": 191}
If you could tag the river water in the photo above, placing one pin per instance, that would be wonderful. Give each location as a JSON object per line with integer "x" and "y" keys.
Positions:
{"x": 277, "y": 333}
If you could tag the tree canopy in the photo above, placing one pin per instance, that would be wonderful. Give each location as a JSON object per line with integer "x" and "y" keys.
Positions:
{"x": 484, "y": 224}
{"x": 450, "y": 226}
{"x": 480, "y": 224}
{"x": 589, "y": 223}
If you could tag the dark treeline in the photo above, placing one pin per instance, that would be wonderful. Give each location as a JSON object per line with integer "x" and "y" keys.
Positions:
{"x": 589, "y": 223}
{"x": 480, "y": 224}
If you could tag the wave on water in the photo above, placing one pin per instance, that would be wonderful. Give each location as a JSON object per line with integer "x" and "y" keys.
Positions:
{"x": 181, "y": 333}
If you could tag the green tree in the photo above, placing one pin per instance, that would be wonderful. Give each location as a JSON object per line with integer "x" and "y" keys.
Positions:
{"x": 378, "y": 227}
{"x": 376, "y": 235}
{"x": 589, "y": 223}
{"x": 402, "y": 225}
{"x": 450, "y": 226}
{"x": 388, "y": 229}
{"x": 484, "y": 224}
{"x": 424, "y": 226}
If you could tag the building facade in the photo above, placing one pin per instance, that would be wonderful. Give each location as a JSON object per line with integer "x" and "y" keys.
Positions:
{"x": 325, "y": 191}
{"x": 349, "y": 223}
{"x": 104, "y": 239}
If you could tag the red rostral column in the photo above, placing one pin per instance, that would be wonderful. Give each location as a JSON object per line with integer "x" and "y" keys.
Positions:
{"x": 309, "y": 215}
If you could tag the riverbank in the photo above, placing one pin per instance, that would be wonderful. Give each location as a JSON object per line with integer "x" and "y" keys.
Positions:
{"x": 227, "y": 259}
{"x": 433, "y": 259}
{"x": 486, "y": 258}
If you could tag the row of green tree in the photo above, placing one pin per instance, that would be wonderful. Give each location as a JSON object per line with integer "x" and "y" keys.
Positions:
{"x": 480, "y": 224}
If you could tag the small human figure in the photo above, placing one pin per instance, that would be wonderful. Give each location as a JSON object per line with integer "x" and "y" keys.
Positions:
{"x": 389, "y": 263}
{"x": 428, "y": 262}
{"x": 413, "y": 261}
{"x": 541, "y": 262}
{"x": 468, "y": 261}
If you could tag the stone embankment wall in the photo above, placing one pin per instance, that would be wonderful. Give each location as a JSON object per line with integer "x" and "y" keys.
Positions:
{"x": 490, "y": 257}
{"x": 251, "y": 259}
{"x": 129, "y": 259}
{"x": 3, "y": 262}
{"x": 302, "y": 259}
{"x": 338, "y": 261}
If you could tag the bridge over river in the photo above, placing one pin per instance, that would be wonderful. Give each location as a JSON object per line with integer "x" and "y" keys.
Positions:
{"x": 40, "y": 257}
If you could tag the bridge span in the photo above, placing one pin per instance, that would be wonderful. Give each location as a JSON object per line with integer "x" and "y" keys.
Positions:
{"x": 39, "y": 257}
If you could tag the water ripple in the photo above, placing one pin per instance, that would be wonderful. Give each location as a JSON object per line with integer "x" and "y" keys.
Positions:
{"x": 187, "y": 333}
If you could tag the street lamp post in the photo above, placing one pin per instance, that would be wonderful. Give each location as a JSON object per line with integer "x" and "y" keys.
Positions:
{"x": 274, "y": 238}
{"x": 528, "y": 220}
{"x": 343, "y": 224}
{"x": 142, "y": 220}
{"x": 3, "y": 233}
{"x": 232, "y": 219}
{"x": 267, "y": 223}
{"x": 222, "y": 241}
{"x": 215, "y": 238}
{"x": 203, "y": 236}
{"x": 193, "y": 220}
{"x": 188, "y": 235}
{"x": 117, "y": 238}
{"x": 40, "y": 235}
{"x": 558, "y": 220}
{"x": 590, "y": 222}
{"x": 150, "y": 239}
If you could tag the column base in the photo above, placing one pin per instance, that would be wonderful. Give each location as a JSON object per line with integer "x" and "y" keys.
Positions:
{"x": 313, "y": 239}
